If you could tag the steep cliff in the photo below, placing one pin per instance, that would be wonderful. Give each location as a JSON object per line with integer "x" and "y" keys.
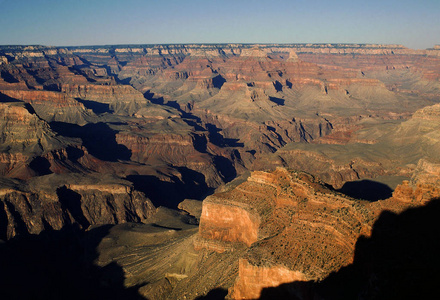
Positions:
{"x": 52, "y": 202}
{"x": 27, "y": 141}
{"x": 52, "y": 106}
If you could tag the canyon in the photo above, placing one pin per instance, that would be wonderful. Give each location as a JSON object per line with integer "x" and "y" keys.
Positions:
{"x": 205, "y": 171}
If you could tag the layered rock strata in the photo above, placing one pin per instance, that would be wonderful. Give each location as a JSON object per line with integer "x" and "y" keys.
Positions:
{"x": 48, "y": 203}
{"x": 295, "y": 228}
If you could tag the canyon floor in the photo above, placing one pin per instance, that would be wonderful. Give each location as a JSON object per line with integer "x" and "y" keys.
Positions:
{"x": 237, "y": 171}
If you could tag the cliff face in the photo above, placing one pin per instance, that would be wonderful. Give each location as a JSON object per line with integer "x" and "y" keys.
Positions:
{"x": 228, "y": 223}
{"x": 25, "y": 139}
{"x": 299, "y": 92}
{"x": 253, "y": 278}
{"x": 120, "y": 99}
{"x": 46, "y": 204}
{"x": 281, "y": 86}
{"x": 361, "y": 148}
{"x": 219, "y": 109}
{"x": 20, "y": 126}
{"x": 256, "y": 233}
{"x": 52, "y": 106}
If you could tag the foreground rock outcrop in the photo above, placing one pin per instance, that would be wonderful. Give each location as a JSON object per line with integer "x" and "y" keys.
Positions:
{"x": 294, "y": 228}
{"x": 279, "y": 234}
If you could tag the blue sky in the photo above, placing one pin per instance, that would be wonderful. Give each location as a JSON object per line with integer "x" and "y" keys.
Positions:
{"x": 413, "y": 23}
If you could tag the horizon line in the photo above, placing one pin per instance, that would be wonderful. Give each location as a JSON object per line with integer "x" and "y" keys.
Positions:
{"x": 211, "y": 43}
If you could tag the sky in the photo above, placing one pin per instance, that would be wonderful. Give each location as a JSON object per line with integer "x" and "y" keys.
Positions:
{"x": 412, "y": 23}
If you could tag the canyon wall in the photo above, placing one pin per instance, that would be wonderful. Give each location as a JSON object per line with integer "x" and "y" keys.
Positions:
{"x": 45, "y": 203}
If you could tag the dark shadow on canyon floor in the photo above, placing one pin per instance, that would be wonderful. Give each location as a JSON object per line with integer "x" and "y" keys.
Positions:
{"x": 277, "y": 101}
{"x": 367, "y": 190}
{"x": 40, "y": 165}
{"x": 59, "y": 265}
{"x": 399, "y": 261}
{"x": 214, "y": 294}
{"x": 191, "y": 185}
{"x": 98, "y": 138}
{"x": 6, "y": 98}
{"x": 95, "y": 106}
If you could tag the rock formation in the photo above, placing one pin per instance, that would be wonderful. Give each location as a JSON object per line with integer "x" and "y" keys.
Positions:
{"x": 47, "y": 203}
{"x": 257, "y": 232}
{"x": 294, "y": 228}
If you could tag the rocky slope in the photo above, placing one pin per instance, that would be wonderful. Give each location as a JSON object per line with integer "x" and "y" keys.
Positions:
{"x": 374, "y": 150}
